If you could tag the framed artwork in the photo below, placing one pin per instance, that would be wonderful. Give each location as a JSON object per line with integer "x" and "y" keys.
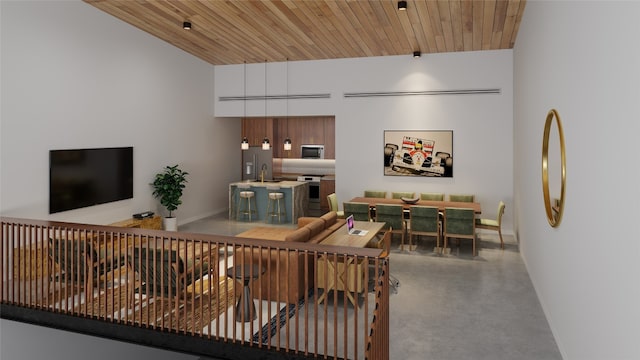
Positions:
{"x": 418, "y": 153}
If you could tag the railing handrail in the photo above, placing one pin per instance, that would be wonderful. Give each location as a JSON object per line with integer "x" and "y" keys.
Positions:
{"x": 231, "y": 240}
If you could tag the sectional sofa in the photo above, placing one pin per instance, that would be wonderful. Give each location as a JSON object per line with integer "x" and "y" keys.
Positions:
{"x": 291, "y": 279}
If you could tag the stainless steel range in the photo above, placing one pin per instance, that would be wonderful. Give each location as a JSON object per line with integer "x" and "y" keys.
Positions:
{"x": 314, "y": 193}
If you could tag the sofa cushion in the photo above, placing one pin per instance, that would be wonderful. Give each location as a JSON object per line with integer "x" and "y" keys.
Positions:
{"x": 315, "y": 227}
{"x": 299, "y": 235}
{"x": 306, "y": 220}
{"x": 329, "y": 218}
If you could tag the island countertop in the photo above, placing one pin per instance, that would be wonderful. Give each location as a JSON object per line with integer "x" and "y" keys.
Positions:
{"x": 296, "y": 198}
{"x": 280, "y": 183}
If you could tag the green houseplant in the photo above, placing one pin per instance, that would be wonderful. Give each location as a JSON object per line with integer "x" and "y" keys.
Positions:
{"x": 168, "y": 186}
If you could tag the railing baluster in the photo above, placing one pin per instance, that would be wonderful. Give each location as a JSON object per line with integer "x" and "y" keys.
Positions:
{"x": 49, "y": 266}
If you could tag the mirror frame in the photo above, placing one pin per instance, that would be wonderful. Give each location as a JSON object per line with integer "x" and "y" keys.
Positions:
{"x": 554, "y": 213}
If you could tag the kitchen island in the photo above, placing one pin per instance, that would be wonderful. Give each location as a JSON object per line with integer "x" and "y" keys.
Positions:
{"x": 296, "y": 198}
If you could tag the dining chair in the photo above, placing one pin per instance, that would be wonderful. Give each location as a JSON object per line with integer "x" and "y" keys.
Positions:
{"x": 393, "y": 217}
{"x": 332, "y": 199}
{"x": 424, "y": 220}
{"x": 72, "y": 259}
{"x": 76, "y": 260}
{"x": 402, "y": 194}
{"x": 493, "y": 224}
{"x": 161, "y": 272}
{"x": 461, "y": 224}
{"x": 432, "y": 196}
{"x": 375, "y": 194}
{"x": 360, "y": 211}
{"x": 385, "y": 245}
{"x": 462, "y": 197}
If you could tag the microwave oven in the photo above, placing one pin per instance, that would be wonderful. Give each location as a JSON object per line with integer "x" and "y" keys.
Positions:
{"x": 312, "y": 151}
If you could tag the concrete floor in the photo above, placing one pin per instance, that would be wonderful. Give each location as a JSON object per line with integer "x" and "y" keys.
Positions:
{"x": 455, "y": 306}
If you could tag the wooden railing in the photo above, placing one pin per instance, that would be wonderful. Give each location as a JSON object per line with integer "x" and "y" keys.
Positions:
{"x": 193, "y": 284}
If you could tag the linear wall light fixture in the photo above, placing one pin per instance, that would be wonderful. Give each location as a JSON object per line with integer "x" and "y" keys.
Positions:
{"x": 275, "y": 97}
{"x": 427, "y": 92}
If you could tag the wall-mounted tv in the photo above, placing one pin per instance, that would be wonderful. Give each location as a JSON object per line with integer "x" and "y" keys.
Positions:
{"x": 85, "y": 177}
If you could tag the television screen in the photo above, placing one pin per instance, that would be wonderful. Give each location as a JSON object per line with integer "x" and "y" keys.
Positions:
{"x": 85, "y": 177}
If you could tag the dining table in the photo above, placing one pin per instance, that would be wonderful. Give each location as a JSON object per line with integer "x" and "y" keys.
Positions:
{"x": 441, "y": 205}
{"x": 345, "y": 274}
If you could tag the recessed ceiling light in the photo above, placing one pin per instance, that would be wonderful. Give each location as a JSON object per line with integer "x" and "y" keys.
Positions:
{"x": 402, "y": 5}
{"x": 186, "y": 25}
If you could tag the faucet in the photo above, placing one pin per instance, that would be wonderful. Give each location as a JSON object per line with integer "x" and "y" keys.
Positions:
{"x": 262, "y": 170}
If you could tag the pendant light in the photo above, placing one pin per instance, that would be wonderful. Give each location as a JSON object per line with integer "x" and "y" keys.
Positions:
{"x": 265, "y": 142}
{"x": 244, "y": 145}
{"x": 287, "y": 140}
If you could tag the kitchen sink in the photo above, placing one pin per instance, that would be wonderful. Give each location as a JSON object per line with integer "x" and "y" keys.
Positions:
{"x": 267, "y": 181}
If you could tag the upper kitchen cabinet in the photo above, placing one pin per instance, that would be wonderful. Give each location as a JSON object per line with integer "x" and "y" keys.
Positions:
{"x": 314, "y": 130}
{"x": 256, "y": 129}
{"x": 330, "y": 137}
{"x": 307, "y": 130}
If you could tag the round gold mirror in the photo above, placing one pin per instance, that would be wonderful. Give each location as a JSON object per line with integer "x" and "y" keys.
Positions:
{"x": 553, "y": 204}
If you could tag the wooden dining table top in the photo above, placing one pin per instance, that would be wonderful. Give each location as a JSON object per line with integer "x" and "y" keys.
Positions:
{"x": 441, "y": 205}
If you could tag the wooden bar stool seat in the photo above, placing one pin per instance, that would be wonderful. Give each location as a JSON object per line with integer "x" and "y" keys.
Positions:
{"x": 246, "y": 202}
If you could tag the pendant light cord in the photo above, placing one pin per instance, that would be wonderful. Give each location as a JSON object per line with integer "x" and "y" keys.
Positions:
{"x": 244, "y": 79}
{"x": 265, "y": 90}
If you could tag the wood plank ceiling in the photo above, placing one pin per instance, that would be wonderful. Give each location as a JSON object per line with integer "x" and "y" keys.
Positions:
{"x": 235, "y": 31}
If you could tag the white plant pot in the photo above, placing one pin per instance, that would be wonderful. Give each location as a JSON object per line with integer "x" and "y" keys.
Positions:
{"x": 170, "y": 223}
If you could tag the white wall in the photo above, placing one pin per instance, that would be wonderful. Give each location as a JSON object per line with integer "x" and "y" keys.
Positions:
{"x": 582, "y": 58}
{"x": 75, "y": 77}
{"x": 482, "y": 124}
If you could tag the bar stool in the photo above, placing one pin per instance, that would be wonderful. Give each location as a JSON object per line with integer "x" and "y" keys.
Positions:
{"x": 246, "y": 197}
{"x": 275, "y": 205}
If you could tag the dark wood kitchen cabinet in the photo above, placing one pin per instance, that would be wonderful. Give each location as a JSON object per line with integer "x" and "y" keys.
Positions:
{"x": 315, "y": 130}
{"x": 327, "y": 186}
{"x": 255, "y": 130}
{"x": 308, "y": 130}
{"x": 330, "y": 138}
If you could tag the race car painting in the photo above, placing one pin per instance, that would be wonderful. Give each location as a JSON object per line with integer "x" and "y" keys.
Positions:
{"x": 413, "y": 154}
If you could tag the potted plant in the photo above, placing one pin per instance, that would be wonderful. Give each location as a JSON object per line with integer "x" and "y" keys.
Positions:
{"x": 168, "y": 186}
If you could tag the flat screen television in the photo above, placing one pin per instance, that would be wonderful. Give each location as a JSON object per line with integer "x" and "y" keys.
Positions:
{"x": 85, "y": 177}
